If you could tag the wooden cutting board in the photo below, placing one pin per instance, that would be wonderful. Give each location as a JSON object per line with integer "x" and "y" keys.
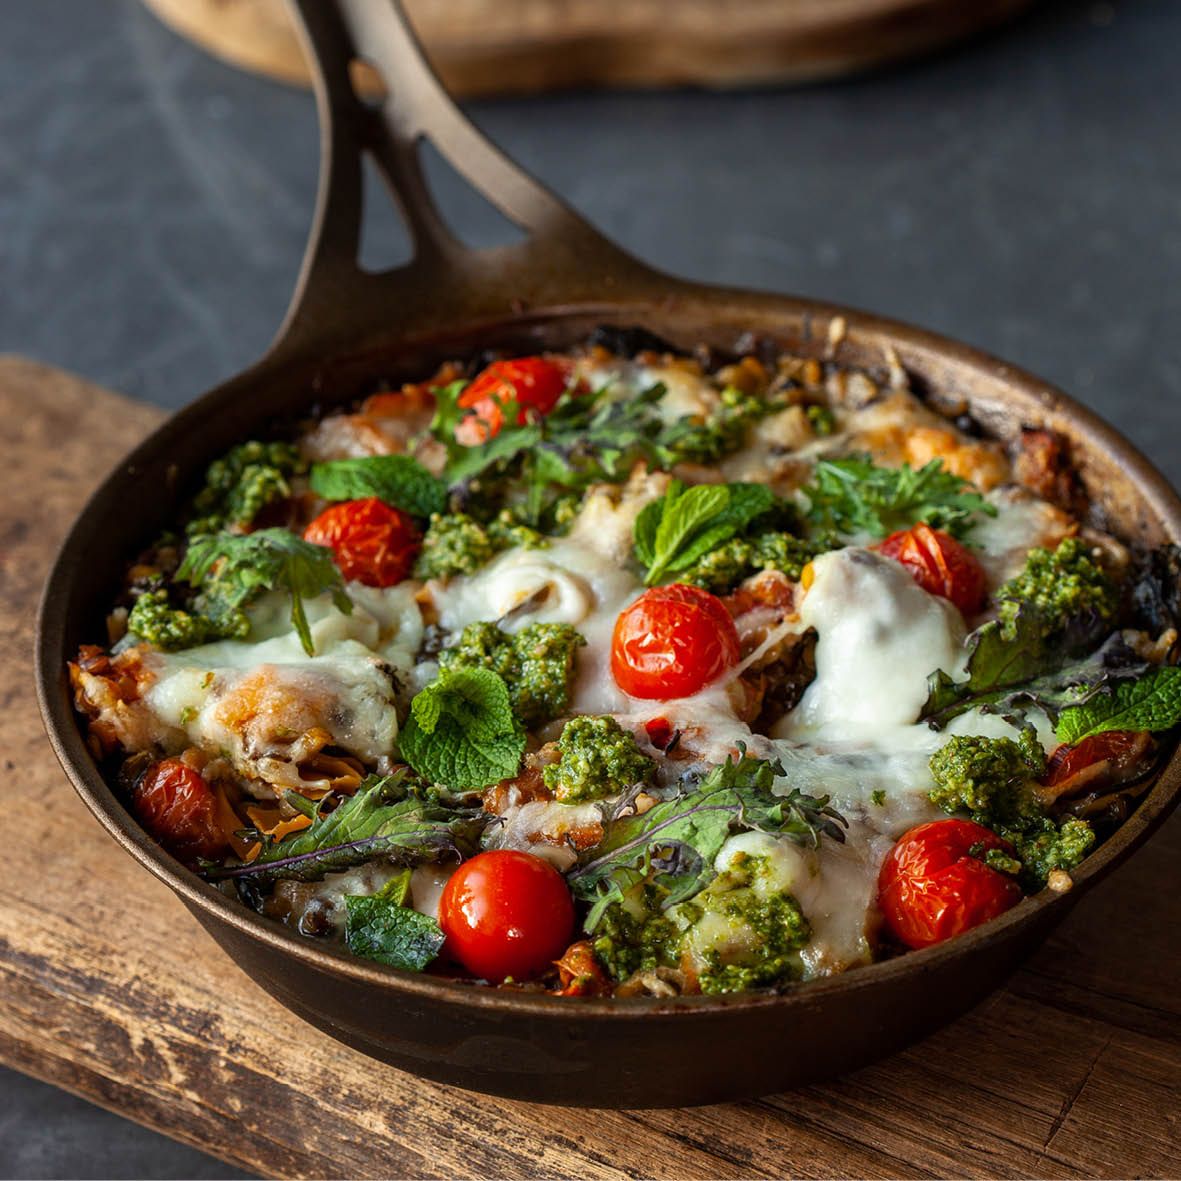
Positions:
{"x": 522, "y": 46}
{"x": 110, "y": 989}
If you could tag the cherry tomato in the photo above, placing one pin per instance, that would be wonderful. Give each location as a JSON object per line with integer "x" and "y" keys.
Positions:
{"x": 939, "y": 564}
{"x": 1118, "y": 748}
{"x": 534, "y": 383}
{"x": 931, "y": 888}
{"x": 175, "y": 804}
{"x": 660, "y": 732}
{"x": 671, "y": 642}
{"x": 506, "y": 914}
{"x": 371, "y": 541}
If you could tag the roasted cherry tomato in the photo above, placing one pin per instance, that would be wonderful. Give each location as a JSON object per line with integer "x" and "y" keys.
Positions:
{"x": 506, "y": 914}
{"x": 671, "y": 642}
{"x": 931, "y": 888}
{"x": 1118, "y": 750}
{"x": 175, "y": 804}
{"x": 939, "y": 564}
{"x": 534, "y": 383}
{"x": 372, "y": 542}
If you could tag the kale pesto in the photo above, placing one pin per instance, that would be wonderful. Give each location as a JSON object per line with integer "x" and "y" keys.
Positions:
{"x": 596, "y": 758}
{"x": 536, "y": 663}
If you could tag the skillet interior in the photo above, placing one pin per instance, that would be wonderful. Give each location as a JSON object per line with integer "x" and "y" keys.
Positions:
{"x": 586, "y": 1051}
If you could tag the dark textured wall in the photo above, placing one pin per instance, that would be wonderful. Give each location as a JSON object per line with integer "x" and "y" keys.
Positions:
{"x": 1023, "y": 194}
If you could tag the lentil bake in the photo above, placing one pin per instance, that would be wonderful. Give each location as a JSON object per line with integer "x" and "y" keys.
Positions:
{"x": 625, "y": 672}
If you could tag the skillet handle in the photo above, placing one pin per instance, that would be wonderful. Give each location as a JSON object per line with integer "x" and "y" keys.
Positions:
{"x": 562, "y": 259}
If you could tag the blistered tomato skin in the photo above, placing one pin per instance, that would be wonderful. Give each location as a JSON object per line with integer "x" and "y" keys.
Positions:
{"x": 506, "y": 914}
{"x": 931, "y": 888}
{"x": 940, "y": 565}
{"x": 534, "y": 383}
{"x": 672, "y": 642}
{"x": 1116, "y": 748}
{"x": 175, "y": 804}
{"x": 371, "y": 541}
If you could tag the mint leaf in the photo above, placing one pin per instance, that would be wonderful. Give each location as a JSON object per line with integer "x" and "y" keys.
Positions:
{"x": 380, "y": 928}
{"x": 674, "y": 532}
{"x": 388, "y": 816}
{"x": 1153, "y": 702}
{"x": 462, "y": 731}
{"x": 399, "y": 480}
{"x": 231, "y": 569}
{"x": 854, "y": 496}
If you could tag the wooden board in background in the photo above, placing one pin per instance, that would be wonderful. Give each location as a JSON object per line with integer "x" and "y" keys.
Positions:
{"x": 523, "y": 46}
{"x": 110, "y": 989}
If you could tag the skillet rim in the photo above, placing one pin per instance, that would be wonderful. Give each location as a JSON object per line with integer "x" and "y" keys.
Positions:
{"x": 65, "y": 734}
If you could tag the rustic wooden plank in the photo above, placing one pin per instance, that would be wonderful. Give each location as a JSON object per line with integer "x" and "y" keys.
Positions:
{"x": 110, "y": 989}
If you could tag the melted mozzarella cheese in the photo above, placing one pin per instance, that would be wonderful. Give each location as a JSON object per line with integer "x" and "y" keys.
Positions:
{"x": 687, "y": 393}
{"x": 251, "y": 700}
{"x": 1022, "y": 523}
{"x": 880, "y": 637}
{"x": 542, "y": 827}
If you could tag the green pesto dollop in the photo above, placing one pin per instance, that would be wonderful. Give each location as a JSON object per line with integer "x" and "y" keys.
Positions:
{"x": 992, "y": 780}
{"x": 537, "y": 664}
{"x": 725, "y": 567}
{"x": 1048, "y": 845}
{"x": 170, "y": 628}
{"x": 741, "y": 932}
{"x": 243, "y": 482}
{"x": 634, "y": 940}
{"x": 1061, "y": 585}
{"x": 772, "y": 957}
{"x": 721, "y": 432}
{"x": 598, "y": 758}
{"x": 456, "y": 543}
{"x": 988, "y": 777}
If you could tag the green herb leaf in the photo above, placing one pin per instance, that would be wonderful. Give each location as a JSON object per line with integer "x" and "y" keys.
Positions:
{"x": 462, "y": 731}
{"x": 675, "y": 843}
{"x": 231, "y": 569}
{"x": 399, "y": 480}
{"x": 1022, "y": 661}
{"x": 388, "y": 816}
{"x": 855, "y": 496}
{"x": 380, "y": 928}
{"x": 1152, "y": 702}
{"x": 674, "y": 532}
{"x": 585, "y": 438}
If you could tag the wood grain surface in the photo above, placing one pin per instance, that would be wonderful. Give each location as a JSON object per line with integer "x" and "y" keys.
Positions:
{"x": 523, "y": 46}
{"x": 109, "y": 989}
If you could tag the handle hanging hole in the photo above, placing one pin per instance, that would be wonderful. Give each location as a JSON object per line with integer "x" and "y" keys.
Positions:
{"x": 368, "y": 84}
{"x": 385, "y": 243}
{"x": 468, "y": 214}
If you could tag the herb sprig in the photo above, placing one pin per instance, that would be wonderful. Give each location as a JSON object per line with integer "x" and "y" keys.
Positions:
{"x": 675, "y": 843}
{"x": 399, "y": 480}
{"x": 674, "y": 532}
{"x": 231, "y": 569}
{"x": 585, "y": 438}
{"x": 388, "y": 816}
{"x": 855, "y": 496}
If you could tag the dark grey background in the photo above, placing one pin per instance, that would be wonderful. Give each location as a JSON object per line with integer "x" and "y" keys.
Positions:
{"x": 1023, "y": 194}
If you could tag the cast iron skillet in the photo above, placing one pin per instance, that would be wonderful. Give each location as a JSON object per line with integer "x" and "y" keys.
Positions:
{"x": 345, "y": 328}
